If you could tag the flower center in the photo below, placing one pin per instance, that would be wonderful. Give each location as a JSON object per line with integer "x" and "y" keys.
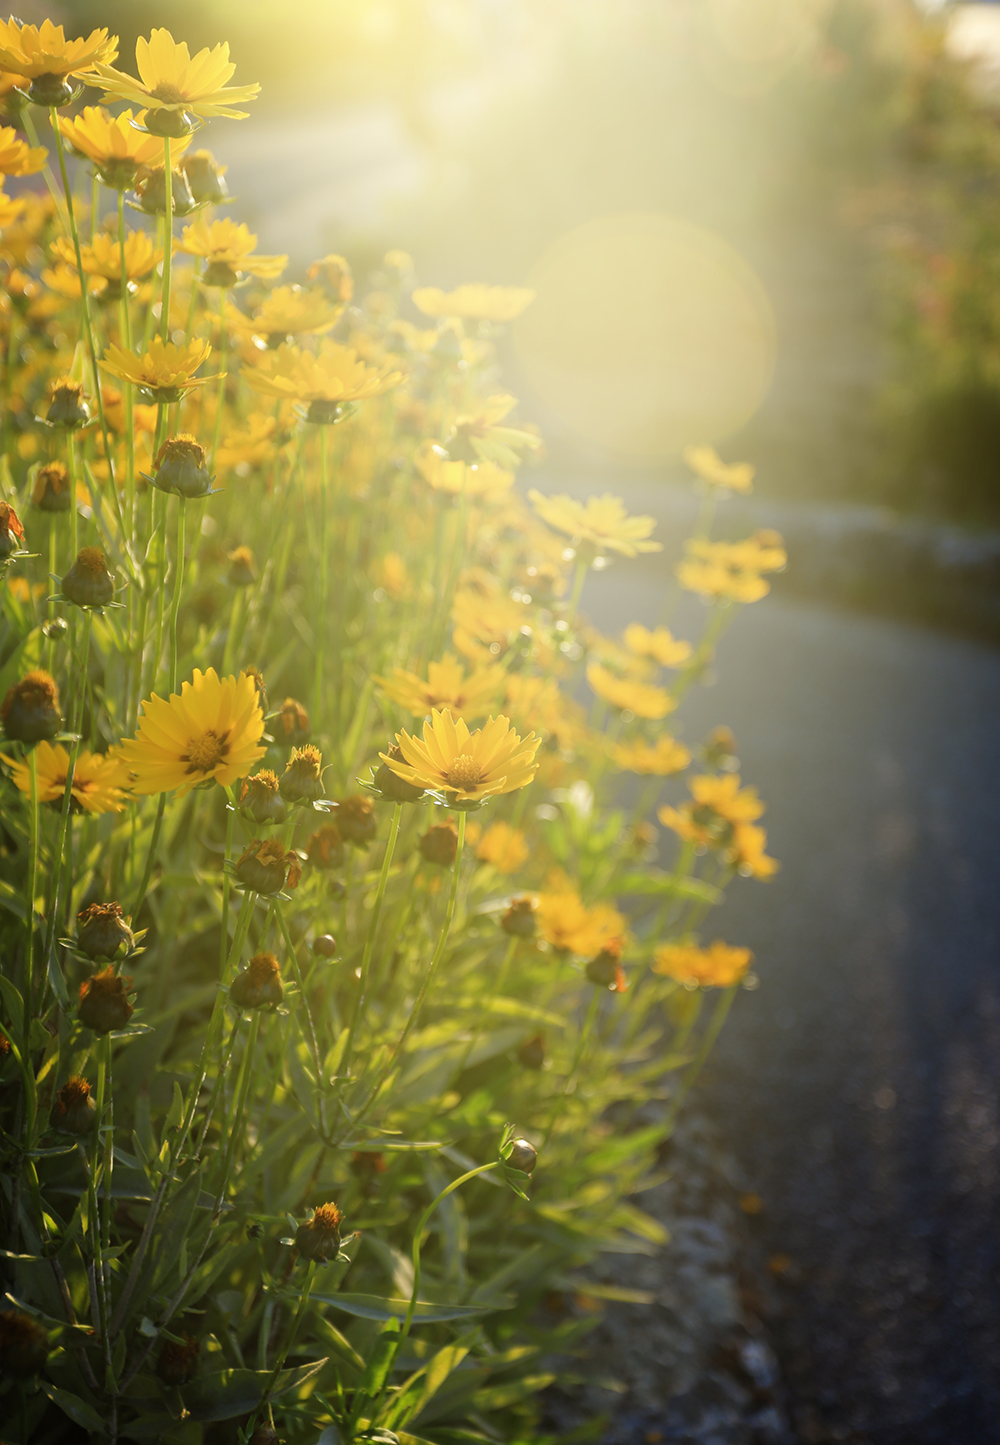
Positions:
{"x": 464, "y": 773}
{"x": 204, "y": 754}
{"x": 169, "y": 94}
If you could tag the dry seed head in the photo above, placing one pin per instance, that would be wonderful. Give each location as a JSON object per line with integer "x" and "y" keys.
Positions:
{"x": 30, "y": 711}
{"x": 104, "y": 1003}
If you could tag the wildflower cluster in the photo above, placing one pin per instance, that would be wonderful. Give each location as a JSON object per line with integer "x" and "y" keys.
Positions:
{"x": 316, "y": 865}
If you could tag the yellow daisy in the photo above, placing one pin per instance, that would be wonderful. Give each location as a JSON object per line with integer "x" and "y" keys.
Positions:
{"x": 570, "y": 926}
{"x": 478, "y": 436}
{"x": 748, "y": 852}
{"x": 466, "y": 766}
{"x": 639, "y": 698}
{"x": 483, "y": 481}
{"x": 43, "y": 55}
{"x": 718, "y": 966}
{"x": 706, "y": 463}
{"x": 176, "y": 87}
{"x": 165, "y": 372}
{"x": 114, "y": 145}
{"x": 17, "y": 158}
{"x": 473, "y": 302}
{"x": 10, "y": 208}
{"x": 287, "y": 311}
{"x": 99, "y": 779}
{"x": 660, "y": 645}
{"x": 210, "y": 731}
{"x": 659, "y": 759}
{"x": 503, "y": 846}
{"x": 328, "y": 380}
{"x": 469, "y": 695}
{"x": 227, "y": 250}
{"x": 103, "y": 256}
{"x": 601, "y": 523}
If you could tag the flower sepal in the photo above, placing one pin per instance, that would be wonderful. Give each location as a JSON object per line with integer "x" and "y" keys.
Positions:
{"x": 51, "y": 90}
{"x": 512, "y": 1153}
{"x": 327, "y": 413}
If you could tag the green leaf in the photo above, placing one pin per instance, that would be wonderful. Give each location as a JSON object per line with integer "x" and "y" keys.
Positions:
{"x": 230, "y": 1393}
{"x": 78, "y": 1410}
{"x": 654, "y": 880}
{"x": 374, "y": 1307}
{"x": 176, "y": 1114}
{"x": 378, "y": 1367}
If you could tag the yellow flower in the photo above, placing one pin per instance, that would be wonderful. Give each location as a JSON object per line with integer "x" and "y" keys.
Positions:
{"x": 466, "y": 766}
{"x": 10, "y": 208}
{"x": 661, "y": 758}
{"x": 447, "y": 686}
{"x": 636, "y": 697}
{"x": 723, "y": 816}
{"x": 251, "y": 448}
{"x": 98, "y": 778}
{"x": 749, "y": 843}
{"x": 602, "y": 523}
{"x": 227, "y": 249}
{"x": 566, "y": 923}
{"x": 103, "y": 256}
{"x": 706, "y": 463}
{"x": 114, "y": 144}
{"x": 731, "y": 569}
{"x": 659, "y": 644}
{"x": 718, "y": 966}
{"x": 477, "y": 437}
{"x": 287, "y": 311}
{"x": 177, "y": 85}
{"x": 326, "y": 380}
{"x": 166, "y": 371}
{"x": 391, "y": 575}
{"x": 485, "y": 626}
{"x": 43, "y": 55}
{"x": 482, "y": 480}
{"x": 210, "y": 731}
{"x": 336, "y": 274}
{"x": 17, "y": 158}
{"x": 474, "y": 302}
{"x": 503, "y": 846}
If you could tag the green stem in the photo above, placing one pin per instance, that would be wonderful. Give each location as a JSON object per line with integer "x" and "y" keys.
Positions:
{"x": 313, "y": 1040}
{"x": 495, "y": 993}
{"x": 168, "y": 239}
{"x": 154, "y": 841}
{"x": 579, "y": 577}
{"x": 175, "y": 605}
{"x": 581, "y": 1046}
{"x": 242, "y": 1090}
{"x": 357, "y": 1015}
{"x": 29, "y": 950}
{"x": 708, "y": 1038}
{"x": 75, "y": 721}
{"x": 126, "y": 337}
{"x": 289, "y": 1341}
{"x": 220, "y": 396}
{"x": 324, "y": 547}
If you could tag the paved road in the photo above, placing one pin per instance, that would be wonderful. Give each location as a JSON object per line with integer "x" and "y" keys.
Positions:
{"x": 860, "y": 1087}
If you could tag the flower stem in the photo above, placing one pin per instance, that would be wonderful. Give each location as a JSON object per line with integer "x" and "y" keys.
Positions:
{"x": 29, "y": 948}
{"x": 289, "y": 1341}
{"x": 168, "y": 239}
{"x": 242, "y": 1091}
{"x": 581, "y": 1047}
{"x": 708, "y": 1038}
{"x": 359, "y": 1007}
{"x": 175, "y": 605}
{"x": 324, "y": 547}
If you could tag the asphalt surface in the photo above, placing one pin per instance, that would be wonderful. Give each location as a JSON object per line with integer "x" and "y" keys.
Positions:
{"x": 860, "y": 1086}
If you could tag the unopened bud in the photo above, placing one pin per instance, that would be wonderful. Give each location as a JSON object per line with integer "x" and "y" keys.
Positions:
{"x": 319, "y": 1238}
{"x": 440, "y": 844}
{"x": 88, "y": 583}
{"x": 325, "y": 946}
{"x": 519, "y": 920}
{"x": 74, "y": 1111}
{"x": 391, "y": 785}
{"x": 68, "y": 407}
{"x": 356, "y": 819}
{"x": 30, "y": 711}
{"x": 101, "y": 931}
{"x": 523, "y": 1156}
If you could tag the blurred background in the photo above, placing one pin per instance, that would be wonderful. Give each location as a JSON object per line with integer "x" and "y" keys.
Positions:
{"x": 773, "y": 225}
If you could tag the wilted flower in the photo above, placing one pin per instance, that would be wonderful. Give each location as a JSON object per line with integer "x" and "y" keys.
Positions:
{"x": 30, "y": 711}
{"x": 466, "y": 766}
{"x": 104, "y": 1001}
{"x": 102, "y": 931}
{"x": 74, "y": 1111}
{"x": 50, "y": 491}
{"x": 356, "y": 819}
{"x": 325, "y": 847}
{"x": 292, "y": 722}
{"x": 718, "y": 966}
{"x": 302, "y": 780}
{"x": 319, "y": 1238}
{"x": 88, "y": 583}
{"x": 260, "y": 797}
{"x": 519, "y": 920}
{"x": 208, "y": 731}
{"x": 265, "y": 867}
{"x": 68, "y": 407}
{"x": 175, "y": 86}
{"x": 259, "y": 984}
{"x": 11, "y": 532}
{"x": 440, "y": 844}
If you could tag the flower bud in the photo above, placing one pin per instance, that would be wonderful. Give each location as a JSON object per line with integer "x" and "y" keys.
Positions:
{"x": 67, "y": 407}
{"x": 519, "y": 920}
{"x": 605, "y": 968}
{"x": 50, "y": 491}
{"x": 259, "y": 984}
{"x": 319, "y": 1238}
{"x": 101, "y": 930}
{"x": 30, "y": 711}
{"x": 292, "y": 723}
{"x": 242, "y": 568}
{"x": 356, "y": 819}
{"x": 151, "y": 188}
{"x": 719, "y": 749}
{"x": 52, "y": 89}
{"x": 24, "y": 1345}
{"x": 264, "y": 1435}
{"x": 55, "y": 629}
{"x": 180, "y": 467}
{"x": 177, "y": 1363}
{"x": 329, "y": 413}
{"x": 325, "y": 847}
{"x": 175, "y": 124}
{"x": 88, "y": 583}
{"x": 302, "y": 780}
{"x": 393, "y": 787}
{"x": 205, "y": 178}
{"x": 532, "y": 1052}
{"x": 259, "y": 796}
{"x": 74, "y": 1111}
{"x": 104, "y": 1004}
{"x": 440, "y": 844}
{"x": 523, "y": 1156}
{"x": 265, "y": 867}
{"x": 324, "y": 945}
{"x": 11, "y": 532}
